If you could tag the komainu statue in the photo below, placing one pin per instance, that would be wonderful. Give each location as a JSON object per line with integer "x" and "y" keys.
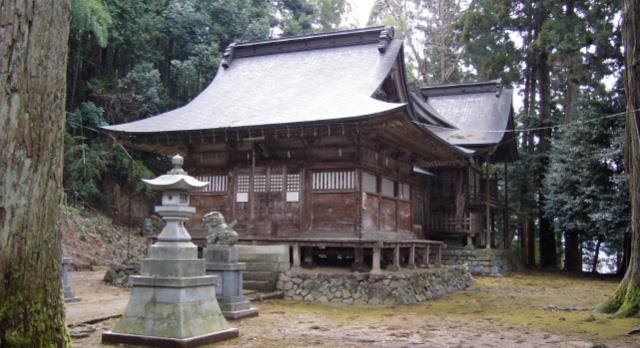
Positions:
{"x": 218, "y": 231}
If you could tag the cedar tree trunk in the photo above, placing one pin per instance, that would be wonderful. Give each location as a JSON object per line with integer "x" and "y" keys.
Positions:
{"x": 33, "y": 58}
{"x": 547, "y": 241}
{"x": 572, "y": 252}
{"x": 626, "y": 300}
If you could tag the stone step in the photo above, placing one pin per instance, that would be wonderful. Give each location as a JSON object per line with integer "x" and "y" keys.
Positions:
{"x": 256, "y": 275}
{"x": 260, "y": 285}
{"x": 262, "y": 266}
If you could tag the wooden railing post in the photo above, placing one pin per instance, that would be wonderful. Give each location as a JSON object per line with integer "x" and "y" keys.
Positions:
{"x": 375, "y": 259}
{"x": 296, "y": 255}
{"x": 412, "y": 256}
{"x": 428, "y": 253}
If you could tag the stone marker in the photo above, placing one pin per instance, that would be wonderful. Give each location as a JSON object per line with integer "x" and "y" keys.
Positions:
{"x": 69, "y": 296}
{"x": 173, "y": 302}
{"x": 222, "y": 260}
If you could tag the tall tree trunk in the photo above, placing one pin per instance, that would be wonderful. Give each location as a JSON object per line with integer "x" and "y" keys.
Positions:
{"x": 626, "y": 300}
{"x": 596, "y": 255}
{"x": 548, "y": 255}
{"x": 33, "y": 57}
{"x": 572, "y": 254}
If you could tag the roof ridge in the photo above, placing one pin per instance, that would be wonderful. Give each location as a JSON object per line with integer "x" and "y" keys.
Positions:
{"x": 383, "y": 35}
{"x": 464, "y": 88}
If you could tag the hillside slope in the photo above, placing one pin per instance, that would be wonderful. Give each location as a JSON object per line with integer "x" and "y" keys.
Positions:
{"x": 92, "y": 239}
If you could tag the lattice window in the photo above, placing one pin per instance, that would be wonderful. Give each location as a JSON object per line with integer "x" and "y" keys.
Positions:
{"x": 369, "y": 183}
{"x": 333, "y": 181}
{"x": 260, "y": 183}
{"x": 242, "y": 188}
{"x": 243, "y": 183}
{"x": 277, "y": 183}
{"x": 404, "y": 191}
{"x": 388, "y": 187}
{"x": 217, "y": 183}
{"x": 293, "y": 188}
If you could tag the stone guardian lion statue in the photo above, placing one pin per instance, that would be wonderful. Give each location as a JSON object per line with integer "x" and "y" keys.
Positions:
{"x": 218, "y": 231}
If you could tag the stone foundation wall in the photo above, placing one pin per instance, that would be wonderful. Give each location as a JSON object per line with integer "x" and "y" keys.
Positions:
{"x": 405, "y": 287}
{"x": 487, "y": 262}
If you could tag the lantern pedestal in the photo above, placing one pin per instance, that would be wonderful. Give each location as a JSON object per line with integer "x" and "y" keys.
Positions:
{"x": 173, "y": 301}
{"x": 222, "y": 261}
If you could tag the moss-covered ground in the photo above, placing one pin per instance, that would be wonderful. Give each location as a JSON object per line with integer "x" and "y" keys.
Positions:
{"x": 523, "y": 310}
{"x": 532, "y": 309}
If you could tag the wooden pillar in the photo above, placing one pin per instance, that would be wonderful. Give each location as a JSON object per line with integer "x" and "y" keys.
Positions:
{"x": 296, "y": 255}
{"x": 412, "y": 256}
{"x": 375, "y": 259}
{"x": 396, "y": 258}
{"x": 439, "y": 255}
{"x": 487, "y": 213}
{"x": 427, "y": 254}
{"x": 358, "y": 260}
{"x": 358, "y": 255}
{"x": 251, "y": 183}
{"x": 506, "y": 234}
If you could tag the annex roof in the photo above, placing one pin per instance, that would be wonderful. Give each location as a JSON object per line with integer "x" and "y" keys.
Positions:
{"x": 293, "y": 80}
{"x": 478, "y": 113}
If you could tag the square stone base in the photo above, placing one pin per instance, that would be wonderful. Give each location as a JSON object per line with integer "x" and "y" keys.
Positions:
{"x": 239, "y": 314}
{"x": 156, "y": 341}
{"x": 72, "y": 299}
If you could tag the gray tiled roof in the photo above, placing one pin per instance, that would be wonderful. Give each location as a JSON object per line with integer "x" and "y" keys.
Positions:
{"x": 319, "y": 84}
{"x": 472, "y": 109}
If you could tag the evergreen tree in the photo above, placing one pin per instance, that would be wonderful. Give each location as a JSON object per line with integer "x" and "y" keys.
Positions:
{"x": 626, "y": 299}
{"x": 585, "y": 186}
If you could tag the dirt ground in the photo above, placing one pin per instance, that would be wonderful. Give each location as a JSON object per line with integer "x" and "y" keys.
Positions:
{"x": 522, "y": 310}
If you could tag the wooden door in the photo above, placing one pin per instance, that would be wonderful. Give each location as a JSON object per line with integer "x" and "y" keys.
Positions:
{"x": 268, "y": 205}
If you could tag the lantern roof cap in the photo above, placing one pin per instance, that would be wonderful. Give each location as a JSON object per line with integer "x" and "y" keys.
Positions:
{"x": 175, "y": 179}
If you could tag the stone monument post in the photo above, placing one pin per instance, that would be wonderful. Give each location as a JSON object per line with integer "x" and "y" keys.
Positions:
{"x": 173, "y": 302}
{"x": 221, "y": 257}
{"x": 69, "y": 296}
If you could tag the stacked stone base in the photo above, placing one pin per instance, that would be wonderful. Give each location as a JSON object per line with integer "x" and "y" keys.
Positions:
{"x": 393, "y": 288}
{"x": 486, "y": 262}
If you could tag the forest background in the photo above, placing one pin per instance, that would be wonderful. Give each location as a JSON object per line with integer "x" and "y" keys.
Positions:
{"x": 569, "y": 205}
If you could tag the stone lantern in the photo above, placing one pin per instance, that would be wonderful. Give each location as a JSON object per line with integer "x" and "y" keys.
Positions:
{"x": 173, "y": 302}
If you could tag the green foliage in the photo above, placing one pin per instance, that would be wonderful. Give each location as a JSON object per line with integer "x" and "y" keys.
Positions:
{"x": 89, "y": 159}
{"x": 143, "y": 88}
{"x": 484, "y": 31}
{"x": 90, "y": 16}
{"x": 585, "y": 182}
{"x": 429, "y": 31}
{"x": 330, "y": 13}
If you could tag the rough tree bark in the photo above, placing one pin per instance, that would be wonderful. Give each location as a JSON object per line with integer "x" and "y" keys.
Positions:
{"x": 626, "y": 300}
{"x": 572, "y": 252}
{"x": 548, "y": 255}
{"x": 33, "y": 54}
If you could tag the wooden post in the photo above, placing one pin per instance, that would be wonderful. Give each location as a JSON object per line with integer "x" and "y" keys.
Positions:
{"x": 487, "y": 213}
{"x": 358, "y": 260}
{"x": 506, "y": 234}
{"x": 396, "y": 258}
{"x": 439, "y": 254}
{"x": 375, "y": 259}
{"x": 296, "y": 255}
{"x": 412, "y": 256}
{"x": 427, "y": 254}
{"x": 252, "y": 182}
